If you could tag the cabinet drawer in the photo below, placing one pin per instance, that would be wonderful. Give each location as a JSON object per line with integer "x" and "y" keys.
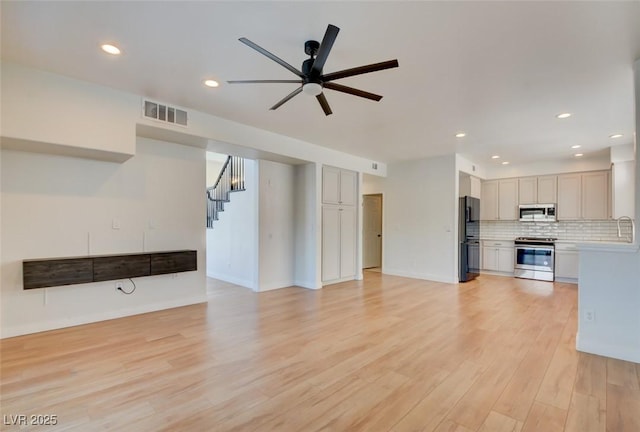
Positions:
{"x": 497, "y": 243}
{"x": 120, "y": 267}
{"x": 48, "y": 273}
{"x": 173, "y": 262}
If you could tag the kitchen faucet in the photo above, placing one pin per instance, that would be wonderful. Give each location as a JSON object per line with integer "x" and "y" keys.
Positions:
{"x": 633, "y": 227}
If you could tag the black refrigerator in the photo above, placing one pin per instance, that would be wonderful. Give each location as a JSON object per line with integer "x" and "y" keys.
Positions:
{"x": 469, "y": 237}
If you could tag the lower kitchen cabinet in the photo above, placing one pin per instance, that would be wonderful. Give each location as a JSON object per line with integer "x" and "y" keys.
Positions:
{"x": 567, "y": 258}
{"x": 497, "y": 256}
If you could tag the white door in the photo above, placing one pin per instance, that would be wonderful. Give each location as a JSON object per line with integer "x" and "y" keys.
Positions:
{"x": 330, "y": 243}
{"x": 348, "y": 223}
{"x": 372, "y": 231}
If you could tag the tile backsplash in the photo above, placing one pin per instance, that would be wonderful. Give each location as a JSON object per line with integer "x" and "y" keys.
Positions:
{"x": 586, "y": 230}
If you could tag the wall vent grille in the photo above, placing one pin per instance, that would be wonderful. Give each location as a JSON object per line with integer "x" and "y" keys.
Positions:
{"x": 164, "y": 113}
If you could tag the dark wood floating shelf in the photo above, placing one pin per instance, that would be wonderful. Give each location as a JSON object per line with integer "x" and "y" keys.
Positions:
{"x": 50, "y": 272}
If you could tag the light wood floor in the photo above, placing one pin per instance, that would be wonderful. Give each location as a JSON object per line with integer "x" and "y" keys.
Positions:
{"x": 387, "y": 354}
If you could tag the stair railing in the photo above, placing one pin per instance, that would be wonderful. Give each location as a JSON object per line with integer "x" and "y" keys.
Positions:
{"x": 230, "y": 179}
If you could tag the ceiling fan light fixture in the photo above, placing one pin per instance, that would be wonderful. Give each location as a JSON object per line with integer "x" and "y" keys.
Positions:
{"x": 110, "y": 49}
{"x": 312, "y": 89}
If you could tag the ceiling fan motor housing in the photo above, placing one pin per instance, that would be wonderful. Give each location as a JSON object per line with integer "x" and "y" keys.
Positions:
{"x": 309, "y": 75}
{"x": 311, "y": 47}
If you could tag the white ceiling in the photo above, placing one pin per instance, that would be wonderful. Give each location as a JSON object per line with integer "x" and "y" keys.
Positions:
{"x": 498, "y": 71}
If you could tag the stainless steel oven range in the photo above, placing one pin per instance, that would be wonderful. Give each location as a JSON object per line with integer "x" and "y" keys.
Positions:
{"x": 535, "y": 258}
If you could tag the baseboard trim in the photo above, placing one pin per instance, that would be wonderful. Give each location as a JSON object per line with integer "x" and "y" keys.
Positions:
{"x": 234, "y": 280}
{"x": 307, "y": 285}
{"x": 415, "y": 275}
{"x": 626, "y": 353}
{"x": 20, "y": 330}
{"x": 275, "y": 285}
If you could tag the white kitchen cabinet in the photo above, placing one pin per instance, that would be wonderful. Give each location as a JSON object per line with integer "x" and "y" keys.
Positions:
{"x": 595, "y": 195}
{"x": 507, "y": 199}
{"x": 584, "y": 196}
{"x": 339, "y": 186}
{"x": 528, "y": 190}
{"x": 537, "y": 190}
{"x": 489, "y": 200}
{"x": 548, "y": 189}
{"x": 470, "y": 186}
{"x": 569, "y": 196}
{"x": 338, "y": 243}
{"x": 566, "y": 262}
{"x": 497, "y": 256}
{"x": 499, "y": 200}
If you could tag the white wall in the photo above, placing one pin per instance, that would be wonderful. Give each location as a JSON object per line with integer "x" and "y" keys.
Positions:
{"x": 232, "y": 244}
{"x": 277, "y": 225}
{"x": 420, "y": 219}
{"x": 307, "y": 246}
{"x": 56, "y": 206}
{"x": 372, "y": 184}
{"x": 71, "y": 116}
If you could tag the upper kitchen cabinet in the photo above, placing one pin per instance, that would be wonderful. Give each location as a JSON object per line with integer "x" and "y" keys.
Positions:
{"x": 470, "y": 186}
{"x": 499, "y": 200}
{"x": 339, "y": 186}
{"x": 548, "y": 189}
{"x": 489, "y": 200}
{"x": 595, "y": 195}
{"x": 508, "y": 199}
{"x": 569, "y": 200}
{"x": 583, "y": 196}
{"x": 537, "y": 190}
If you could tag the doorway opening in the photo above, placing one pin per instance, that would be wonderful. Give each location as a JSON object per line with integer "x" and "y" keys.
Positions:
{"x": 372, "y": 232}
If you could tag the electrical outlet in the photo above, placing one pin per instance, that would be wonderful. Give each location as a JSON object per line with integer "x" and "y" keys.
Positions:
{"x": 119, "y": 285}
{"x": 589, "y": 315}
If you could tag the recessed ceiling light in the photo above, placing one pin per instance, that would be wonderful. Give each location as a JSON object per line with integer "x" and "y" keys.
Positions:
{"x": 576, "y": 146}
{"x": 563, "y": 115}
{"x": 578, "y": 155}
{"x": 461, "y": 135}
{"x": 615, "y": 136}
{"x": 211, "y": 83}
{"x": 110, "y": 49}
{"x": 505, "y": 163}
{"x": 495, "y": 157}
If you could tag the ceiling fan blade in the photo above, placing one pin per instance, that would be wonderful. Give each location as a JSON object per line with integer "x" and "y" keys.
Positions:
{"x": 352, "y": 91}
{"x": 271, "y": 56}
{"x": 360, "y": 70}
{"x": 324, "y": 104}
{"x": 325, "y": 47}
{"x": 263, "y": 81}
{"x": 287, "y": 98}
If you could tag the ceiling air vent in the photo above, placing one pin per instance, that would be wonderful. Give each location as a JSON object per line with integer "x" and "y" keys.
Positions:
{"x": 164, "y": 113}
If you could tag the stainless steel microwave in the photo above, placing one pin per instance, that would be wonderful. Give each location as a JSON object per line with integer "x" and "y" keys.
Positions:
{"x": 537, "y": 212}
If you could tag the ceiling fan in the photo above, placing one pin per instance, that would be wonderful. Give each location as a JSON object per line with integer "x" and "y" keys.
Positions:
{"x": 312, "y": 80}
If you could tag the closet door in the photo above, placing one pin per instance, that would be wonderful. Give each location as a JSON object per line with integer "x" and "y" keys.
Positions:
{"x": 331, "y": 243}
{"x": 348, "y": 223}
{"x": 330, "y": 185}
